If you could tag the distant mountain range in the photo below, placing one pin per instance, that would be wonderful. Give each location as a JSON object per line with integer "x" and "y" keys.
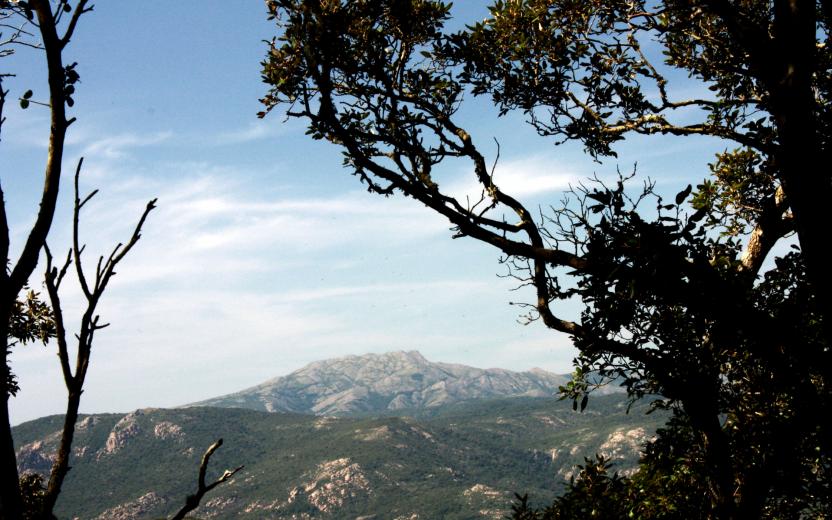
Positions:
{"x": 383, "y": 383}
{"x": 415, "y": 440}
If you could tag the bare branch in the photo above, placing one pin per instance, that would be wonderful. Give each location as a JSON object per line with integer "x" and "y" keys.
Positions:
{"x": 192, "y": 501}
{"x": 52, "y": 280}
{"x": 89, "y": 325}
{"x": 76, "y": 217}
{"x": 80, "y": 9}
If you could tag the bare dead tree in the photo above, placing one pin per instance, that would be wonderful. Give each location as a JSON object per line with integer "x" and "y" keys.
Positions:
{"x": 93, "y": 289}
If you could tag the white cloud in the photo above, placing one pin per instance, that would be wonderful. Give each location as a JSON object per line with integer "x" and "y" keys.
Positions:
{"x": 233, "y": 283}
{"x": 255, "y": 131}
{"x": 522, "y": 177}
{"x": 115, "y": 146}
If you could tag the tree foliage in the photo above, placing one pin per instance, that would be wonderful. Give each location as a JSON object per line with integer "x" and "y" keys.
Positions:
{"x": 30, "y": 321}
{"x": 681, "y": 304}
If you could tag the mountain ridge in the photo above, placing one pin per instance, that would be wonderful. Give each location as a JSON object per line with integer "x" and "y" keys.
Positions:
{"x": 380, "y": 383}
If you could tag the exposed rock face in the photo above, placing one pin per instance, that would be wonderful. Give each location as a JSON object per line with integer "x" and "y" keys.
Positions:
{"x": 167, "y": 430}
{"x": 333, "y": 483}
{"x": 322, "y": 491}
{"x": 623, "y": 443}
{"x": 123, "y": 431}
{"x": 136, "y": 509}
{"x": 380, "y": 382}
{"x": 35, "y": 457}
{"x": 483, "y": 490}
{"x": 86, "y": 423}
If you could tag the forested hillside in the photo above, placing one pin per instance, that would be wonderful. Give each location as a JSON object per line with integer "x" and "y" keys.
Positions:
{"x": 458, "y": 461}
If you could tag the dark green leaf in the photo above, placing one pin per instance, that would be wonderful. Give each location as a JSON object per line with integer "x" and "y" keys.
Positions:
{"x": 682, "y": 195}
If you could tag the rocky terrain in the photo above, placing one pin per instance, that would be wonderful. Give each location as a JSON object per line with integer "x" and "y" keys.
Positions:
{"x": 380, "y": 383}
{"x": 389, "y": 436}
{"x": 464, "y": 461}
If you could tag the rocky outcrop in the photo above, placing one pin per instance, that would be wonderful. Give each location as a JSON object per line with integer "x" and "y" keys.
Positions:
{"x": 622, "y": 444}
{"x": 35, "y": 457}
{"x": 386, "y": 382}
{"x": 333, "y": 483}
{"x": 124, "y": 430}
{"x": 167, "y": 430}
{"x": 137, "y": 508}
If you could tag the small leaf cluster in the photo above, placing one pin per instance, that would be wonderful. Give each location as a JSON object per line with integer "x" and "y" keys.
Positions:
{"x": 31, "y": 320}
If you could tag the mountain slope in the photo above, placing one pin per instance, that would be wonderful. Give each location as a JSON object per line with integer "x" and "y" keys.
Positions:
{"x": 464, "y": 461}
{"x": 378, "y": 383}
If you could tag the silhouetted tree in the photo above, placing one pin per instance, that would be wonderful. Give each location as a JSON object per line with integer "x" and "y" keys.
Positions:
{"x": 681, "y": 305}
{"x": 28, "y": 319}
{"x": 31, "y": 24}
{"x": 36, "y": 24}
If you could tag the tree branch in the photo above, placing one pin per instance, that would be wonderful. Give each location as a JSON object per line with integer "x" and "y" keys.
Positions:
{"x": 192, "y": 501}
{"x": 52, "y": 280}
{"x": 37, "y": 236}
{"x": 771, "y": 226}
{"x": 76, "y": 15}
{"x": 89, "y": 324}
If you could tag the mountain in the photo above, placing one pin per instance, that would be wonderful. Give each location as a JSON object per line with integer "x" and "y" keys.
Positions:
{"x": 383, "y": 383}
{"x": 462, "y": 460}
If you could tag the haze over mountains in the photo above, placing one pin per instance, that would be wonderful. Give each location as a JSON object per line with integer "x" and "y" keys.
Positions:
{"x": 380, "y": 436}
{"x": 379, "y": 383}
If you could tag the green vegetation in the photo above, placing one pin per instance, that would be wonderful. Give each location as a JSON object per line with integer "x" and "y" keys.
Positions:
{"x": 398, "y": 465}
{"x": 703, "y": 304}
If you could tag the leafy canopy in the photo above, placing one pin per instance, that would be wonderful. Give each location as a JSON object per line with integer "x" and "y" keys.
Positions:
{"x": 679, "y": 301}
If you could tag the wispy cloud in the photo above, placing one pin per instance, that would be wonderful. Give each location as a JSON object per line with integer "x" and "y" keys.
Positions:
{"x": 255, "y": 131}
{"x": 116, "y": 146}
{"x": 520, "y": 177}
{"x": 233, "y": 282}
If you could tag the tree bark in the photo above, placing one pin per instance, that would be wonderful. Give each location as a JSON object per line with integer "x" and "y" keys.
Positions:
{"x": 11, "y": 506}
{"x": 61, "y": 465}
{"x": 800, "y": 156}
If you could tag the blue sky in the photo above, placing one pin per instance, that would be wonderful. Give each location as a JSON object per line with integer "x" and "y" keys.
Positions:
{"x": 264, "y": 254}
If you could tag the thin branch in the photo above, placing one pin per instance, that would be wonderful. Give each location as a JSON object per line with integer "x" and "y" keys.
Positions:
{"x": 89, "y": 325}
{"x": 52, "y": 280}
{"x": 192, "y": 501}
{"x": 76, "y": 14}
{"x": 77, "y": 250}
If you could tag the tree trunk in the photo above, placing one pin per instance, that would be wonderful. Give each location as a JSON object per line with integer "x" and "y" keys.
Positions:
{"x": 800, "y": 156}
{"x": 61, "y": 465}
{"x": 11, "y": 506}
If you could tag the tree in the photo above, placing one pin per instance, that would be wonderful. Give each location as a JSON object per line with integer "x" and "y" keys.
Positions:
{"x": 681, "y": 305}
{"x": 593, "y": 494}
{"x": 15, "y": 17}
{"x": 27, "y": 319}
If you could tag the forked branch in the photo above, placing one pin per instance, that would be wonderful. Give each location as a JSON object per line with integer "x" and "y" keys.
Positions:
{"x": 192, "y": 501}
{"x": 74, "y": 380}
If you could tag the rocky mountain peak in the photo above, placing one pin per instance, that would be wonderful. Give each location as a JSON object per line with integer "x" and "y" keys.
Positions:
{"x": 374, "y": 383}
